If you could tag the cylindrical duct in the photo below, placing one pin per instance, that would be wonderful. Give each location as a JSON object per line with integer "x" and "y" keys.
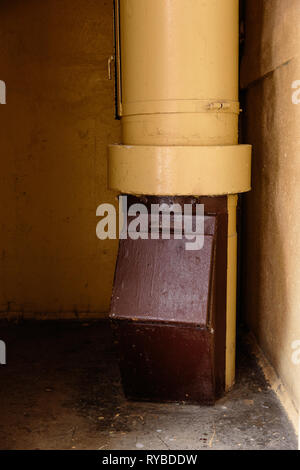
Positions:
{"x": 177, "y": 63}
{"x": 179, "y": 79}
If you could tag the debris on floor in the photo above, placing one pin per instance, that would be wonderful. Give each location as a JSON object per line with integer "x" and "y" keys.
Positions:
{"x": 61, "y": 389}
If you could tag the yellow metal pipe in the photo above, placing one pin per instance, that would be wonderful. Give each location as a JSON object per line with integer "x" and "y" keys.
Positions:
{"x": 179, "y": 170}
{"x": 179, "y": 72}
{"x": 177, "y": 67}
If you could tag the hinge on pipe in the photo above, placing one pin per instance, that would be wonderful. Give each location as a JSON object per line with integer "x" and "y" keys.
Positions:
{"x": 218, "y": 105}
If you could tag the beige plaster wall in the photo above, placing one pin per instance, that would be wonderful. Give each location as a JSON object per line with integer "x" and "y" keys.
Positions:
{"x": 271, "y": 284}
{"x": 54, "y": 132}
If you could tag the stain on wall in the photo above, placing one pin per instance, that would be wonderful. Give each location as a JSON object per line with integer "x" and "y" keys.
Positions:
{"x": 271, "y": 275}
{"x": 54, "y": 132}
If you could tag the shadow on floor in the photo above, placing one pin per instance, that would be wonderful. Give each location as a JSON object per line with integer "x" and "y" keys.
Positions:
{"x": 61, "y": 389}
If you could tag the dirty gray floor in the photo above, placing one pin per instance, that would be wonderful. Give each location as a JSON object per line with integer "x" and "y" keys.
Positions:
{"x": 61, "y": 389}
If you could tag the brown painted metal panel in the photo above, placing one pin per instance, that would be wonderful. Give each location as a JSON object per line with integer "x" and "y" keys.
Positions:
{"x": 169, "y": 311}
{"x": 158, "y": 280}
{"x": 166, "y": 363}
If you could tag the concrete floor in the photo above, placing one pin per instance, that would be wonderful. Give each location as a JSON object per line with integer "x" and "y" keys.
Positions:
{"x": 61, "y": 389}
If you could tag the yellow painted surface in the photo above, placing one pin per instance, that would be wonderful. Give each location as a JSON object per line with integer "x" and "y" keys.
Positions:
{"x": 54, "y": 132}
{"x": 179, "y": 64}
{"x": 161, "y": 39}
{"x": 178, "y": 95}
{"x": 272, "y": 243}
{"x": 210, "y": 128}
{"x": 231, "y": 292}
{"x": 178, "y": 170}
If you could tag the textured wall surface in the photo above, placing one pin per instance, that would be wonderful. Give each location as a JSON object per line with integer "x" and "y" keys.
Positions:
{"x": 270, "y": 65}
{"x": 54, "y": 132}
